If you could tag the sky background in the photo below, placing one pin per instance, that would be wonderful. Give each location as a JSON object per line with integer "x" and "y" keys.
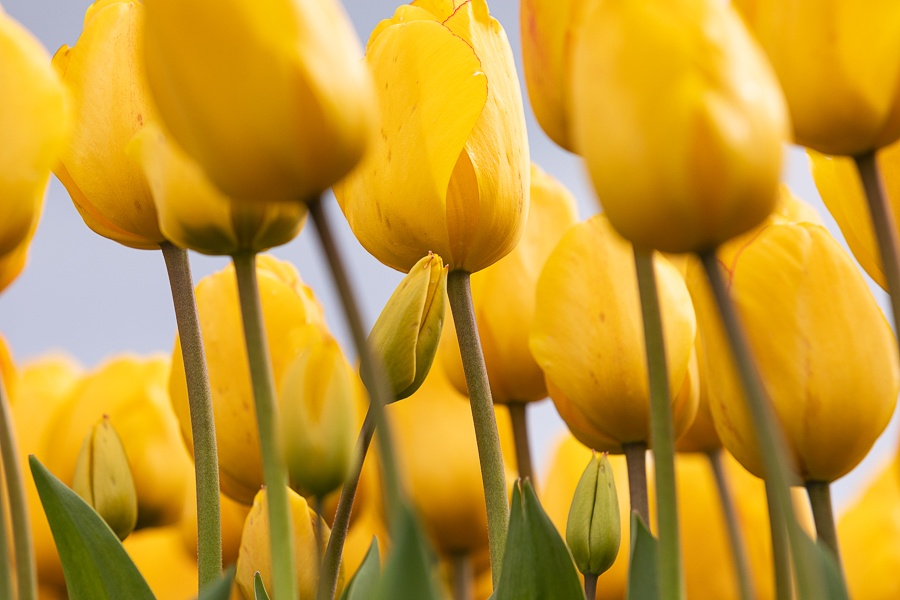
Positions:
{"x": 92, "y": 298}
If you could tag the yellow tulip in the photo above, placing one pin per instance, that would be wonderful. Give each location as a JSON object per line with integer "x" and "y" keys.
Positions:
{"x": 839, "y": 66}
{"x": 588, "y": 338}
{"x": 104, "y": 75}
{"x": 194, "y": 214}
{"x": 449, "y": 172}
{"x": 33, "y": 119}
{"x": 288, "y": 308}
{"x": 269, "y": 97}
{"x": 819, "y": 339}
{"x": 255, "y": 554}
{"x": 169, "y": 569}
{"x": 503, "y": 295}
{"x": 680, "y": 120}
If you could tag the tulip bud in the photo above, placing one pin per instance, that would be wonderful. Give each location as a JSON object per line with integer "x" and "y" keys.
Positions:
{"x": 103, "y": 478}
{"x": 593, "y": 532}
{"x": 406, "y": 335}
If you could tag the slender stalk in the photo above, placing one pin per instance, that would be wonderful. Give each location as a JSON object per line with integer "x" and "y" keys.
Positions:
{"x": 319, "y": 532}
{"x": 203, "y": 428}
{"x": 823, "y": 514}
{"x": 518, "y": 415}
{"x": 883, "y": 224}
{"x": 590, "y": 586}
{"x": 662, "y": 431}
{"x": 463, "y": 584}
{"x": 487, "y": 436}
{"x": 26, "y": 575}
{"x": 6, "y": 570}
{"x": 735, "y": 535}
{"x": 781, "y": 548}
{"x": 636, "y": 462}
{"x": 331, "y": 562}
{"x": 284, "y": 583}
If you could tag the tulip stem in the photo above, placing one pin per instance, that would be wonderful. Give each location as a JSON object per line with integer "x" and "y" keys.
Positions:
{"x": 770, "y": 441}
{"x": 487, "y": 436}
{"x": 662, "y": 432}
{"x": 284, "y": 582}
{"x": 518, "y": 415}
{"x": 823, "y": 514}
{"x": 735, "y": 536}
{"x": 203, "y": 428}
{"x": 590, "y": 586}
{"x": 331, "y": 563}
{"x": 26, "y": 576}
{"x": 462, "y": 577}
{"x": 6, "y": 572}
{"x": 883, "y": 224}
{"x": 636, "y": 463}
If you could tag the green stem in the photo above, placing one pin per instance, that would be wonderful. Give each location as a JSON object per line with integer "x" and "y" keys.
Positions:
{"x": 735, "y": 536}
{"x": 463, "y": 588}
{"x": 662, "y": 432}
{"x": 781, "y": 548}
{"x": 281, "y": 542}
{"x": 590, "y": 586}
{"x": 6, "y": 572}
{"x": 518, "y": 415}
{"x": 636, "y": 463}
{"x": 203, "y": 428}
{"x": 487, "y": 436}
{"x": 823, "y": 514}
{"x": 26, "y": 575}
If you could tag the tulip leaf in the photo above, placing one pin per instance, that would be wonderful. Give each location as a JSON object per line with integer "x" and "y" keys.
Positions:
{"x": 828, "y": 582}
{"x": 259, "y": 589}
{"x": 643, "y": 582}
{"x": 94, "y": 562}
{"x": 219, "y": 589}
{"x": 536, "y": 561}
{"x": 362, "y": 586}
{"x": 409, "y": 569}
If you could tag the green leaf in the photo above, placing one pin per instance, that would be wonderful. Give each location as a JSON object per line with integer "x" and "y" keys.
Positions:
{"x": 259, "y": 589}
{"x": 221, "y": 589}
{"x": 94, "y": 562}
{"x": 828, "y": 580}
{"x": 643, "y": 582}
{"x": 536, "y": 562}
{"x": 362, "y": 586}
{"x": 409, "y": 568}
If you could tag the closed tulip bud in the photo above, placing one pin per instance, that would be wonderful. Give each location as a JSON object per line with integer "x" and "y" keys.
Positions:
{"x": 449, "y": 172}
{"x": 104, "y": 75}
{"x": 593, "y": 530}
{"x": 503, "y": 295}
{"x": 690, "y": 172}
{"x": 839, "y": 66}
{"x": 588, "y": 338}
{"x": 103, "y": 478}
{"x": 194, "y": 214}
{"x": 269, "y": 97}
{"x": 406, "y": 335}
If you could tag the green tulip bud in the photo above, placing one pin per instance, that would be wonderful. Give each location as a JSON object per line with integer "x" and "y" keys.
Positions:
{"x": 103, "y": 478}
{"x": 593, "y": 530}
{"x": 406, "y": 335}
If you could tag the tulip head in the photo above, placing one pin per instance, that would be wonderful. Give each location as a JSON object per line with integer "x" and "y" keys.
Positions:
{"x": 593, "y": 531}
{"x": 269, "y": 97}
{"x": 449, "y": 172}
{"x": 700, "y": 167}
{"x": 406, "y": 335}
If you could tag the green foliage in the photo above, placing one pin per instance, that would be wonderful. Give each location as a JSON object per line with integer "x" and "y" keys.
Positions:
{"x": 362, "y": 586}
{"x": 220, "y": 589}
{"x": 259, "y": 589}
{"x": 643, "y": 577}
{"x": 409, "y": 568}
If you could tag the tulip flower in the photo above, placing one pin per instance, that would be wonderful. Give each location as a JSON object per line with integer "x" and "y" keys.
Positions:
{"x": 700, "y": 167}
{"x": 839, "y": 66}
{"x": 194, "y": 214}
{"x": 587, "y": 336}
{"x": 593, "y": 530}
{"x": 406, "y": 335}
{"x": 269, "y": 97}
{"x": 449, "y": 172}
{"x": 170, "y": 571}
{"x": 104, "y": 75}
{"x": 288, "y": 307}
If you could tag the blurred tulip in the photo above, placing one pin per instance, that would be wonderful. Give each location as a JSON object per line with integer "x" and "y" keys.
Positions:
{"x": 504, "y": 296}
{"x": 406, "y": 335}
{"x": 33, "y": 119}
{"x": 104, "y": 75}
{"x": 593, "y": 529}
{"x": 256, "y": 555}
{"x": 194, "y": 214}
{"x": 689, "y": 173}
{"x": 288, "y": 308}
{"x": 232, "y": 515}
{"x": 839, "y": 66}
{"x": 269, "y": 97}
{"x": 587, "y": 336}
{"x": 161, "y": 558}
{"x": 449, "y": 172}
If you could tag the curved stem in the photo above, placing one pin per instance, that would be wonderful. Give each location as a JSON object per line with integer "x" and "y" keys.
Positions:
{"x": 284, "y": 583}
{"x": 487, "y": 436}
{"x": 590, "y": 586}
{"x": 462, "y": 577}
{"x": 662, "y": 432}
{"x": 518, "y": 415}
{"x": 735, "y": 536}
{"x": 636, "y": 463}
{"x": 823, "y": 514}
{"x": 203, "y": 428}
